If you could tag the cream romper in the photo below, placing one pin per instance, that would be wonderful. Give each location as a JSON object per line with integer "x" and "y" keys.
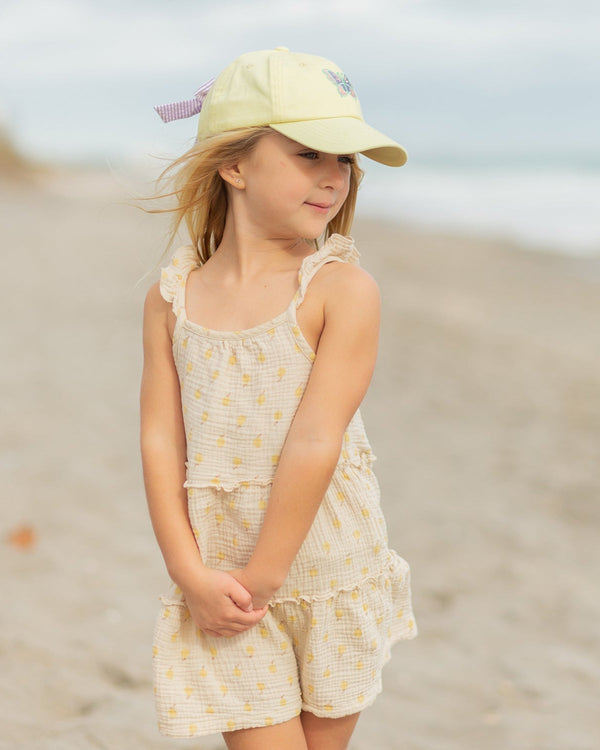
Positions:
{"x": 328, "y": 631}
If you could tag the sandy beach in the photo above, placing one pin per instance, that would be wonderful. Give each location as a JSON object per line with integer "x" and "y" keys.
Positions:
{"x": 485, "y": 401}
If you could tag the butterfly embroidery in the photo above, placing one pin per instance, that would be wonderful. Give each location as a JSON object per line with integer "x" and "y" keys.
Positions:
{"x": 342, "y": 82}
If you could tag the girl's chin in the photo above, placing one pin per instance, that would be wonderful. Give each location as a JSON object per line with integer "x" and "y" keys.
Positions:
{"x": 315, "y": 231}
{"x": 306, "y": 230}
{"x": 312, "y": 236}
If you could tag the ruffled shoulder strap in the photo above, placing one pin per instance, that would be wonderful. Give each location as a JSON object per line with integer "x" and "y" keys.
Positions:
{"x": 174, "y": 276}
{"x": 337, "y": 247}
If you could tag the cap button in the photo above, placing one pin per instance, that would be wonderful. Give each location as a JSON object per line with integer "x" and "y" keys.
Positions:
{"x": 281, "y": 49}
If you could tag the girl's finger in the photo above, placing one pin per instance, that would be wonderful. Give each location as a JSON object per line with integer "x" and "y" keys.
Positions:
{"x": 236, "y": 614}
{"x": 240, "y": 596}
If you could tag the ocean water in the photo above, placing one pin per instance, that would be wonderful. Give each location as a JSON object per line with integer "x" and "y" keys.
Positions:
{"x": 496, "y": 102}
{"x": 552, "y": 208}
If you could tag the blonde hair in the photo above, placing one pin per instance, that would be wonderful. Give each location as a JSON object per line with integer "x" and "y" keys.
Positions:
{"x": 201, "y": 196}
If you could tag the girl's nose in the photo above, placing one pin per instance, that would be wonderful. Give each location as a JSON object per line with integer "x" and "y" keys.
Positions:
{"x": 335, "y": 173}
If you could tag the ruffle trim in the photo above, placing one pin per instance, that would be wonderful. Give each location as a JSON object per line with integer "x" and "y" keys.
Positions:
{"x": 226, "y": 484}
{"x": 364, "y": 457}
{"x": 337, "y": 245}
{"x": 396, "y": 568}
{"x": 173, "y": 277}
{"x": 364, "y": 460}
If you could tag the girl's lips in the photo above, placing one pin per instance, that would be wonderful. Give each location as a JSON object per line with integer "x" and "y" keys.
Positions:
{"x": 322, "y": 208}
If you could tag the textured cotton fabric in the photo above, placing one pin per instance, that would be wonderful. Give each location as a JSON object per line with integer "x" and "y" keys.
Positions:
{"x": 347, "y": 596}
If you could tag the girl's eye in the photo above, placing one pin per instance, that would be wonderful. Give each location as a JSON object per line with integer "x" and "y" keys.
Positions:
{"x": 312, "y": 155}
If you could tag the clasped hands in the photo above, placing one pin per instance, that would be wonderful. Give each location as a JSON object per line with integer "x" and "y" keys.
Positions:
{"x": 227, "y": 603}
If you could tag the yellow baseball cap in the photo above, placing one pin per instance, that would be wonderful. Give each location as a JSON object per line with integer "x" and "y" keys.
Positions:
{"x": 304, "y": 97}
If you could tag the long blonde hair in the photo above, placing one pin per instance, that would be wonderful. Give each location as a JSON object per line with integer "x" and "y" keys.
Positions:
{"x": 200, "y": 193}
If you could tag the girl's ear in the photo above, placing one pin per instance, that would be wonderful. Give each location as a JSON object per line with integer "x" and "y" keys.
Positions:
{"x": 232, "y": 176}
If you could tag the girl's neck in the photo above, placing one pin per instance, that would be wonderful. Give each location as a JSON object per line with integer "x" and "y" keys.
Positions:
{"x": 245, "y": 255}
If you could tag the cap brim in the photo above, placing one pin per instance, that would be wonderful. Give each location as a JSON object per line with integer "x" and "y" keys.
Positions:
{"x": 344, "y": 135}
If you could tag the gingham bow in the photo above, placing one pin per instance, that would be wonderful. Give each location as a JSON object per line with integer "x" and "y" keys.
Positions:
{"x": 187, "y": 108}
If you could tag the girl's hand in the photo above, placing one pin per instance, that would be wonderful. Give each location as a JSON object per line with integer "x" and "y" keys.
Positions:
{"x": 261, "y": 592}
{"x": 220, "y": 605}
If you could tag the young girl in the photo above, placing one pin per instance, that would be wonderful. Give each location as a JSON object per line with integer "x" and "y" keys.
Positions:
{"x": 258, "y": 350}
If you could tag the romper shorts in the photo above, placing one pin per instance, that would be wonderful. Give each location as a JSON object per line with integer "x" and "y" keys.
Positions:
{"x": 323, "y": 656}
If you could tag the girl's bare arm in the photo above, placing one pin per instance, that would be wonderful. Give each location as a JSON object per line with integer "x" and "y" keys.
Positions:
{"x": 340, "y": 377}
{"x": 209, "y": 594}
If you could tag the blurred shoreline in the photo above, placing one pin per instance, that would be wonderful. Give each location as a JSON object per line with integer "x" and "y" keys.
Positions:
{"x": 484, "y": 412}
{"x": 543, "y": 202}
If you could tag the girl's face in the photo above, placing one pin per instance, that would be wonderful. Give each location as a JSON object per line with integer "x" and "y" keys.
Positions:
{"x": 291, "y": 191}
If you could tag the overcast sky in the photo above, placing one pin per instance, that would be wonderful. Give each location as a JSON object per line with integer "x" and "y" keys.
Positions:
{"x": 81, "y": 76}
